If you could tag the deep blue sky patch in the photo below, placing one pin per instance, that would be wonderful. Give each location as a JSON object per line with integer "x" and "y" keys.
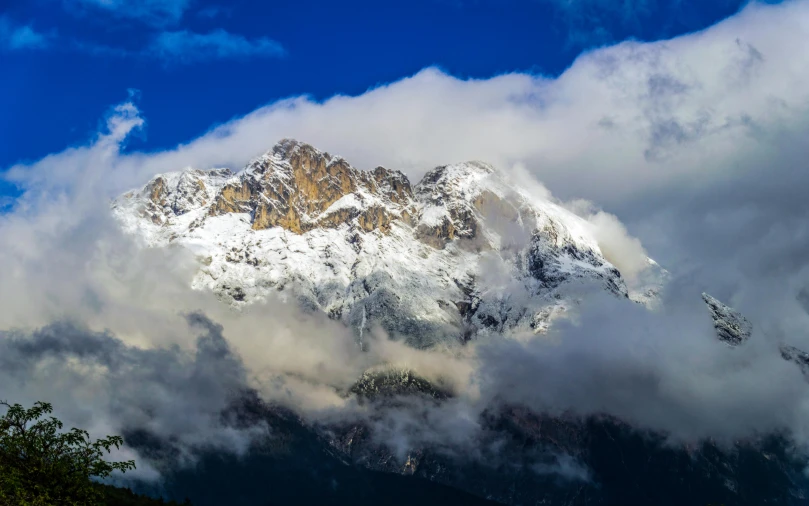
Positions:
{"x": 199, "y": 63}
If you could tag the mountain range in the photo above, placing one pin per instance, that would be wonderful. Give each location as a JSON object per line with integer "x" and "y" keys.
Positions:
{"x": 466, "y": 254}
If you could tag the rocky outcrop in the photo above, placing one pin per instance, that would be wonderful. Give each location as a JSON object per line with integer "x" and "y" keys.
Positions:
{"x": 298, "y": 188}
{"x": 170, "y": 195}
{"x": 457, "y": 199}
{"x": 731, "y": 327}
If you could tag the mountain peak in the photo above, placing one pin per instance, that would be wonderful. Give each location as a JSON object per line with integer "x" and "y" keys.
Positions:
{"x": 367, "y": 248}
{"x": 288, "y": 144}
{"x": 299, "y": 188}
{"x": 288, "y": 148}
{"x": 472, "y": 168}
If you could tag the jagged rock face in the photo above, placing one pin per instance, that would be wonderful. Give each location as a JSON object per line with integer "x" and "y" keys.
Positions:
{"x": 461, "y": 254}
{"x": 299, "y": 188}
{"x": 731, "y": 327}
{"x": 177, "y": 193}
{"x": 453, "y": 203}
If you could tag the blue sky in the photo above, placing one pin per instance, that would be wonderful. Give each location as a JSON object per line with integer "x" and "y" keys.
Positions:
{"x": 196, "y": 63}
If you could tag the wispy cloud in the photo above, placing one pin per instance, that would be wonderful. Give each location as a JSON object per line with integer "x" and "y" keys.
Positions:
{"x": 6, "y": 203}
{"x": 169, "y": 47}
{"x": 627, "y": 9}
{"x": 214, "y": 11}
{"x": 96, "y": 49}
{"x": 155, "y": 12}
{"x": 592, "y": 22}
{"x": 16, "y": 37}
{"x": 189, "y": 47}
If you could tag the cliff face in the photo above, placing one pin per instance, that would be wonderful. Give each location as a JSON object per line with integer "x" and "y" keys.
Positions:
{"x": 298, "y": 188}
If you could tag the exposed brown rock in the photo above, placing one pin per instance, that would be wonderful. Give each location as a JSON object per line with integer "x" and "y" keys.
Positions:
{"x": 375, "y": 218}
{"x": 393, "y": 184}
{"x": 235, "y": 198}
{"x": 295, "y": 185}
{"x": 437, "y": 236}
{"x": 157, "y": 191}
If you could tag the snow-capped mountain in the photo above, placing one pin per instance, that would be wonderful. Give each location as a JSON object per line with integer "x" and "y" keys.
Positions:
{"x": 463, "y": 253}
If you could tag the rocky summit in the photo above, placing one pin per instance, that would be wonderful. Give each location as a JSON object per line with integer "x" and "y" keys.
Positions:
{"x": 461, "y": 254}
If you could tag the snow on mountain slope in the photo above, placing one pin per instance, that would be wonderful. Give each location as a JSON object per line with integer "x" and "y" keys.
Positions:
{"x": 461, "y": 254}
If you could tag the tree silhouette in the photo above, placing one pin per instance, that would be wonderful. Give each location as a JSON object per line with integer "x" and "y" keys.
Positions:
{"x": 40, "y": 465}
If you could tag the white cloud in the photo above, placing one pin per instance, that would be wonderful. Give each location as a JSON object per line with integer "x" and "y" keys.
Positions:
{"x": 170, "y": 47}
{"x": 625, "y": 252}
{"x": 16, "y": 37}
{"x": 623, "y": 121}
{"x": 593, "y": 22}
{"x": 188, "y": 47}
{"x": 214, "y": 11}
{"x": 156, "y": 12}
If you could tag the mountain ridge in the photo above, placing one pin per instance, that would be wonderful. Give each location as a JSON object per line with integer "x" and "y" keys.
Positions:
{"x": 461, "y": 253}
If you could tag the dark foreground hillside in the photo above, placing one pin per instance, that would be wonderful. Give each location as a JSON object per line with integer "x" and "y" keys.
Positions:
{"x": 297, "y": 466}
{"x": 300, "y": 470}
{"x": 115, "y": 496}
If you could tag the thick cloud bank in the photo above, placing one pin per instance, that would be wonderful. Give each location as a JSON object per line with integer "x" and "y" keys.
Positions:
{"x": 98, "y": 381}
{"x": 695, "y": 147}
